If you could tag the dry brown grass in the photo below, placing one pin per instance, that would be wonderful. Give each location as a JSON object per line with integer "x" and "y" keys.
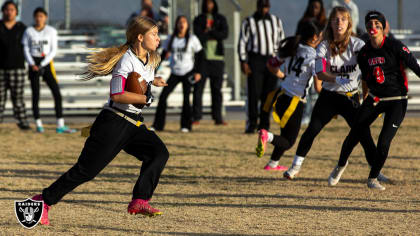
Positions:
{"x": 214, "y": 185}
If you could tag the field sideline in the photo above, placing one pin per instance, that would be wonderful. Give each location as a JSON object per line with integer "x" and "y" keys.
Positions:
{"x": 214, "y": 185}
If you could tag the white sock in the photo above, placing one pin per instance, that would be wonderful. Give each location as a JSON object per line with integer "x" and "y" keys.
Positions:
{"x": 298, "y": 160}
{"x": 273, "y": 164}
{"x": 270, "y": 137}
{"x": 60, "y": 122}
{"x": 38, "y": 122}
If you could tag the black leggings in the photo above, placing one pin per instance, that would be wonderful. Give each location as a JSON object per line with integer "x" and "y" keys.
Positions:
{"x": 290, "y": 131}
{"x": 48, "y": 74}
{"x": 394, "y": 115}
{"x": 328, "y": 105}
{"x": 109, "y": 135}
{"x": 186, "y": 115}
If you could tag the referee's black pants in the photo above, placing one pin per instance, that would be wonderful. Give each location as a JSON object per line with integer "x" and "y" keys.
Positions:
{"x": 289, "y": 133}
{"x": 48, "y": 74}
{"x": 186, "y": 114}
{"x": 214, "y": 70}
{"x": 109, "y": 135}
{"x": 260, "y": 83}
{"x": 394, "y": 115}
{"x": 328, "y": 105}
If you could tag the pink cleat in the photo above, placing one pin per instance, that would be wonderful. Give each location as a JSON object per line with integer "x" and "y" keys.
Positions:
{"x": 278, "y": 168}
{"x": 44, "y": 217}
{"x": 262, "y": 142}
{"x": 140, "y": 206}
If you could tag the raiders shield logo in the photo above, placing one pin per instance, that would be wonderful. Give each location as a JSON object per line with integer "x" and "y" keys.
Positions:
{"x": 29, "y": 212}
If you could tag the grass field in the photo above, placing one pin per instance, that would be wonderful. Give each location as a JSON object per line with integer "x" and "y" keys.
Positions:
{"x": 213, "y": 184}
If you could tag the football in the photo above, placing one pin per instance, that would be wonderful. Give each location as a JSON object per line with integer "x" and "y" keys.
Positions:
{"x": 133, "y": 85}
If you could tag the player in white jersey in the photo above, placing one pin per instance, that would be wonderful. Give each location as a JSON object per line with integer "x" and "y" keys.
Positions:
{"x": 40, "y": 47}
{"x": 119, "y": 126}
{"x": 185, "y": 53}
{"x": 336, "y": 65}
{"x": 299, "y": 68}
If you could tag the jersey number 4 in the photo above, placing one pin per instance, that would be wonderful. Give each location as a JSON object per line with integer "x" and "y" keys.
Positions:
{"x": 297, "y": 66}
{"x": 379, "y": 74}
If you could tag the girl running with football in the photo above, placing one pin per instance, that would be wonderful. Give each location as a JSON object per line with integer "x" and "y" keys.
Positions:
{"x": 299, "y": 68}
{"x": 336, "y": 65}
{"x": 40, "y": 47}
{"x": 119, "y": 126}
{"x": 185, "y": 53}
{"x": 382, "y": 61}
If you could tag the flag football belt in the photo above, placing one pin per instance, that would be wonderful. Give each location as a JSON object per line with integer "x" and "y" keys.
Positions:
{"x": 289, "y": 111}
{"x": 129, "y": 119}
{"x": 348, "y": 94}
{"x": 377, "y": 99}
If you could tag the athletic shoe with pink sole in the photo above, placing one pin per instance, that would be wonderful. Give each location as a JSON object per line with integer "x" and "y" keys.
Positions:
{"x": 277, "y": 168}
{"x": 44, "y": 217}
{"x": 140, "y": 206}
{"x": 262, "y": 142}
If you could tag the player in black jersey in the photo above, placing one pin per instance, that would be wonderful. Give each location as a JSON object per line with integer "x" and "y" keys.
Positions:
{"x": 382, "y": 62}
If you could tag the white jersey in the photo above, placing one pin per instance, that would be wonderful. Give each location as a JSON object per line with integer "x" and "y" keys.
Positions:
{"x": 344, "y": 65}
{"x": 299, "y": 71}
{"x": 40, "y": 44}
{"x": 128, "y": 63}
{"x": 182, "y": 61}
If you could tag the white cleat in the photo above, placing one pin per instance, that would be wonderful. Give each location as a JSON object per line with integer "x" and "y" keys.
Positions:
{"x": 373, "y": 183}
{"x": 336, "y": 175}
{"x": 292, "y": 172}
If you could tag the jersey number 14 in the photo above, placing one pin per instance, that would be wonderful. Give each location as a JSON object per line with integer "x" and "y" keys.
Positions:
{"x": 297, "y": 66}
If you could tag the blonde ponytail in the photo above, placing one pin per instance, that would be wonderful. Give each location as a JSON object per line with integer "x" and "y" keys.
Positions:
{"x": 102, "y": 62}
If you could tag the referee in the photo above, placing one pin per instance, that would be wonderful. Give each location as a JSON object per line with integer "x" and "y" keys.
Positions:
{"x": 260, "y": 38}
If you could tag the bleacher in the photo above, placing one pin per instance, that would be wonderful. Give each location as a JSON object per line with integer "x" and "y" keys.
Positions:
{"x": 87, "y": 97}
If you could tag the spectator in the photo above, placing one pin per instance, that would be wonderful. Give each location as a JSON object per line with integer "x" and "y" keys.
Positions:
{"x": 353, "y": 9}
{"x": 161, "y": 17}
{"x": 12, "y": 63}
{"x": 211, "y": 28}
{"x": 255, "y": 49}
{"x": 40, "y": 47}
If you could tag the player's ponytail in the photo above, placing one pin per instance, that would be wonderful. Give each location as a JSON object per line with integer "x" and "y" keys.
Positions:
{"x": 306, "y": 32}
{"x": 102, "y": 62}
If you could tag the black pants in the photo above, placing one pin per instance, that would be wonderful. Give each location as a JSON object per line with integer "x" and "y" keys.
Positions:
{"x": 290, "y": 131}
{"x": 260, "y": 83}
{"x": 48, "y": 74}
{"x": 160, "y": 115}
{"x": 214, "y": 70}
{"x": 328, "y": 105}
{"x": 109, "y": 135}
{"x": 394, "y": 115}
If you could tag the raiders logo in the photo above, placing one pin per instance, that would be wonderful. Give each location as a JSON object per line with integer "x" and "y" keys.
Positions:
{"x": 379, "y": 74}
{"x": 29, "y": 212}
{"x": 405, "y": 49}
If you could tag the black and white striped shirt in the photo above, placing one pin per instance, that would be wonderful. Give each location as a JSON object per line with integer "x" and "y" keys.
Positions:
{"x": 260, "y": 35}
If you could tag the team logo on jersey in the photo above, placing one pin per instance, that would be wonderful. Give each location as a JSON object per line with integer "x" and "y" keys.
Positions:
{"x": 379, "y": 74}
{"x": 376, "y": 61}
{"x": 406, "y": 50}
{"x": 29, "y": 212}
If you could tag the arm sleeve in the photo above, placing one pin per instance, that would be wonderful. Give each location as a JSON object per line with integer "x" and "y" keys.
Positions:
{"x": 48, "y": 58}
{"x": 222, "y": 32}
{"x": 117, "y": 85}
{"x": 320, "y": 61}
{"x": 26, "y": 49}
{"x": 407, "y": 57}
{"x": 243, "y": 41}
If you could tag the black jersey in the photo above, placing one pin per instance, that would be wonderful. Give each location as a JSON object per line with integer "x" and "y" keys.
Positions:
{"x": 383, "y": 68}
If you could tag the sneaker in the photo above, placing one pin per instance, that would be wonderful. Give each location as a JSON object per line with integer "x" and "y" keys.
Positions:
{"x": 44, "y": 217}
{"x": 383, "y": 178}
{"x": 185, "y": 130}
{"x": 292, "y": 172}
{"x": 151, "y": 128}
{"x": 262, "y": 142}
{"x": 140, "y": 206}
{"x": 374, "y": 184}
{"x": 40, "y": 129}
{"x": 65, "y": 129}
{"x": 23, "y": 126}
{"x": 278, "y": 168}
{"x": 336, "y": 175}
